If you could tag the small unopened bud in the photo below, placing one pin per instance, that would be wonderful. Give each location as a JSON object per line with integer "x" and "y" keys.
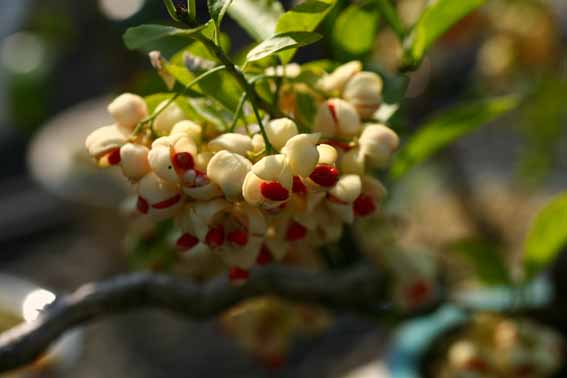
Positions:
{"x": 105, "y": 140}
{"x": 237, "y": 143}
{"x": 228, "y": 170}
{"x": 347, "y": 188}
{"x": 336, "y": 81}
{"x": 134, "y": 161}
{"x": 337, "y": 118}
{"x": 364, "y": 91}
{"x": 188, "y": 128}
{"x": 279, "y": 131}
{"x": 128, "y": 110}
{"x": 378, "y": 143}
{"x": 302, "y": 153}
{"x": 168, "y": 117}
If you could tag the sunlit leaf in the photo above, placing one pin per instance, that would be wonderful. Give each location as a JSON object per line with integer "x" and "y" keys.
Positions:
{"x": 281, "y": 42}
{"x": 257, "y": 17}
{"x": 486, "y": 259}
{"x": 547, "y": 236}
{"x": 157, "y": 37}
{"x": 354, "y": 32}
{"x": 304, "y": 17}
{"x": 435, "y": 20}
{"x": 448, "y": 127}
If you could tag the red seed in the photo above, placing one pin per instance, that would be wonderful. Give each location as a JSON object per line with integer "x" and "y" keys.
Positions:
{"x": 183, "y": 161}
{"x": 418, "y": 292}
{"x": 333, "y": 111}
{"x": 186, "y": 242}
{"x": 167, "y": 203}
{"x": 238, "y": 237}
{"x": 237, "y": 275}
{"x": 215, "y": 237}
{"x": 265, "y": 256}
{"x": 364, "y": 205}
{"x": 274, "y": 191}
{"x": 298, "y": 187}
{"x": 114, "y": 157}
{"x": 325, "y": 175}
{"x": 142, "y": 205}
{"x": 295, "y": 232}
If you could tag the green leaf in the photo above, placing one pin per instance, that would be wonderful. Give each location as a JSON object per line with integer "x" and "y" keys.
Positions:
{"x": 391, "y": 16}
{"x": 354, "y": 33}
{"x": 547, "y": 236}
{"x": 281, "y": 42}
{"x": 158, "y": 37}
{"x": 257, "y": 17}
{"x": 448, "y": 127}
{"x": 217, "y": 9}
{"x": 435, "y": 20}
{"x": 304, "y": 17}
{"x": 486, "y": 259}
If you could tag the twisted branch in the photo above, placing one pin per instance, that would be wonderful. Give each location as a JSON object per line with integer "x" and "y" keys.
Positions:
{"x": 359, "y": 290}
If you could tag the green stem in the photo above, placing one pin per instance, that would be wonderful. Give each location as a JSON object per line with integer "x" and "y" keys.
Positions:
{"x": 254, "y": 98}
{"x": 193, "y": 82}
{"x": 238, "y": 111}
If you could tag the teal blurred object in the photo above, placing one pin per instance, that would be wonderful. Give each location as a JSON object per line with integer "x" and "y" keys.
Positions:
{"x": 412, "y": 340}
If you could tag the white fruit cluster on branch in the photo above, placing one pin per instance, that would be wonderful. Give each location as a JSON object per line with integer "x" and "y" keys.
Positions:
{"x": 251, "y": 194}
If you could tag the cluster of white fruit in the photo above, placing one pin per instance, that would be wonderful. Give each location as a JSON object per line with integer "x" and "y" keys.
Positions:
{"x": 228, "y": 195}
{"x": 504, "y": 348}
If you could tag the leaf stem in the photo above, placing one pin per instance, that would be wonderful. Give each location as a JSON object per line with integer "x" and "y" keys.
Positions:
{"x": 150, "y": 119}
{"x": 255, "y": 100}
{"x": 238, "y": 111}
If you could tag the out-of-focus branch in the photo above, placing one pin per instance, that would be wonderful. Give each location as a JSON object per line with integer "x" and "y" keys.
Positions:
{"x": 464, "y": 189}
{"x": 360, "y": 289}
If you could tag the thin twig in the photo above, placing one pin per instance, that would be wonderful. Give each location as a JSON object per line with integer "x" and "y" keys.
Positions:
{"x": 359, "y": 289}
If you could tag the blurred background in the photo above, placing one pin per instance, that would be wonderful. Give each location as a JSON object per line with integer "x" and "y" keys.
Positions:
{"x": 60, "y": 63}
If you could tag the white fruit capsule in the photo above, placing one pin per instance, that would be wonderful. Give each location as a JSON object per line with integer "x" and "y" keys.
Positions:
{"x": 347, "y": 189}
{"x": 269, "y": 183}
{"x": 134, "y": 161}
{"x": 170, "y": 116}
{"x": 364, "y": 91}
{"x": 128, "y": 110}
{"x": 237, "y": 143}
{"x": 336, "y": 81}
{"x": 378, "y": 143}
{"x": 337, "y": 118}
{"x": 228, "y": 170}
{"x": 104, "y": 140}
{"x": 279, "y": 131}
{"x": 188, "y": 128}
{"x": 302, "y": 153}
{"x": 352, "y": 162}
{"x": 161, "y": 199}
{"x": 274, "y": 168}
{"x": 172, "y": 156}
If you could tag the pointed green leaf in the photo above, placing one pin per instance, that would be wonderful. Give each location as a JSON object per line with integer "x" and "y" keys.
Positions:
{"x": 281, "y": 42}
{"x": 547, "y": 236}
{"x": 156, "y": 37}
{"x": 448, "y": 127}
{"x": 257, "y": 17}
{"x": 304, "y": 17}
{"x": 435, "y": 20}
{"x": 354, "y": 32}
